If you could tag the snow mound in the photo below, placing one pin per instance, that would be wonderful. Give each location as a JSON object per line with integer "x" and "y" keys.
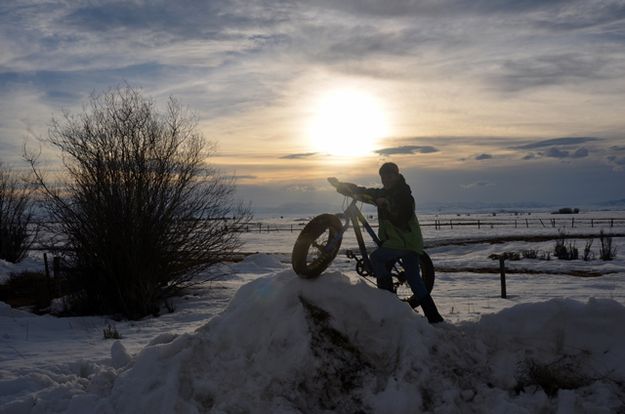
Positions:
{"x": 285, "y": 345}
{"x": 289, "y": 345}
{"x": 8, "y": 312}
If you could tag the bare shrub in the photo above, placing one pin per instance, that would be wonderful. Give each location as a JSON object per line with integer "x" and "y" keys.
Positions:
{"x": 588, "y": 254}
{"x": 16, "y": 215}
{"x": 140, "y": 210}
{"x": 559, "y": 250}
{"x": 564, "y": 250}
{"x": 544, "y": 255}
{"x": 111, "y": 332}
{"x": 606, "y": 251}
{"x": 530, "y": 254}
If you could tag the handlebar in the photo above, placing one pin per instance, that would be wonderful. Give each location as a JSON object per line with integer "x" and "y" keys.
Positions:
{"x": 342, "y": 188}
{"x": 333, "y": 181}
{"x": 348, "y": 190}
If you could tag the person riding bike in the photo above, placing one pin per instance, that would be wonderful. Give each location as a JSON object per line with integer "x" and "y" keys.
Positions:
{"x": 399, "y": 232}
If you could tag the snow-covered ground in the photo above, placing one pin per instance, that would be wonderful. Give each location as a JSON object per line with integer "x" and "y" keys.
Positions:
{"x": 257, "y": 338}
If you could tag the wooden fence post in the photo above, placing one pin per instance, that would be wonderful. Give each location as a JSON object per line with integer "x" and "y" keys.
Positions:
{"x": 56, "y": 266}
{"x": 502, "y": 274}
{"x": 48, "y": 279}
{"x": 45, "y": 263}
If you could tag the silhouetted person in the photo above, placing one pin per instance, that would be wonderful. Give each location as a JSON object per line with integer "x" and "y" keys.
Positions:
{"x": 399, "y": 232}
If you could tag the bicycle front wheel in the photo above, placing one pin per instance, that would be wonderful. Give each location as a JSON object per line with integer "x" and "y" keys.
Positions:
{"x": 317, "y": 245}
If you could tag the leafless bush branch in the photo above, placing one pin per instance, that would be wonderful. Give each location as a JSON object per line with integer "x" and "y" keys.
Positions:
{"x": 16, "y": 215}
{"x": 141, "y": 211}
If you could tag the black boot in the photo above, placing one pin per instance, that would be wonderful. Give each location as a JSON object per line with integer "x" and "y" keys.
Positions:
{"x": 430, "y": 311}
{"x": 412, "y": 301}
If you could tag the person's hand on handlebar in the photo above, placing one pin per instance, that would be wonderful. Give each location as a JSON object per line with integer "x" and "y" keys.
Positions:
{"x": 341, "y": 188}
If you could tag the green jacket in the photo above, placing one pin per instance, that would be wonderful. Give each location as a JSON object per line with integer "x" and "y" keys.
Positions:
{"x": 399, "y": 227}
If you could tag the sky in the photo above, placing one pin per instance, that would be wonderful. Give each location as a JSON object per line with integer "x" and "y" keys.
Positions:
{"x": 502, "y": 102}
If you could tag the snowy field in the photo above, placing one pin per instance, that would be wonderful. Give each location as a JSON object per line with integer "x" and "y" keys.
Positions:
{"x": 255, "y": 338}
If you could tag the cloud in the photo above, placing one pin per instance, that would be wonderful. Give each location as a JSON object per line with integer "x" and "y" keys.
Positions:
{"x": 477, "y": 184}
{"x": 516, "y": 74}
{"x": 580, "y": 15}
{"x": 554, "y": 152}
{"x": 483, "y": 157}
{"x": 440, "y": 65}
{"x": 618, "y": 162}
{"x": 580, "y": 153}
{"x": 405, "y": 8}
{"x": 300, "y": 188}
{"x": 206, "y": 19}
{"x": 558, "y": 141}
{"x": 407, "y": 149}
{"x": 244, "y": 177}
{"x": 298, "y": 156}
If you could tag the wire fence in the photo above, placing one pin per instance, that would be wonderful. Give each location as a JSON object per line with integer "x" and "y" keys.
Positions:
{"x": 439, "y": 224}
{"x": 44, "y": 240}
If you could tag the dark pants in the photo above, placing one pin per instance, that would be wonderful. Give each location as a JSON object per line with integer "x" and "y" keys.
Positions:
{"x": 382, "y": 259}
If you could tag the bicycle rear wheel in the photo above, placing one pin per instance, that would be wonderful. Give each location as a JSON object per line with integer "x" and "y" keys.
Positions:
{"x": 317, "y": 245}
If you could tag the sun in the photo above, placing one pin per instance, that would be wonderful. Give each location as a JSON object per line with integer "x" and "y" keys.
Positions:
{"x": 347, "y": 123}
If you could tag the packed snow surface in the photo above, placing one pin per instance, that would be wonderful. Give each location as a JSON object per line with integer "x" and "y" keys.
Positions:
{"x": 335, "y": 344}
{"x": 253, "y": 337}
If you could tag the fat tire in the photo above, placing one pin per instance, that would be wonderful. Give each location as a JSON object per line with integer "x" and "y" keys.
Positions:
{"x": 310, "y": 233}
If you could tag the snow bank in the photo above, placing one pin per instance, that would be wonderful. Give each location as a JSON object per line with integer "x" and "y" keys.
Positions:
{"x": 28, "y": 264}
{"x": 253, "y": 266}
{"x": 278, "y": 348}
{"x": 288, "y": 345}
{"x": 258, "y": 261}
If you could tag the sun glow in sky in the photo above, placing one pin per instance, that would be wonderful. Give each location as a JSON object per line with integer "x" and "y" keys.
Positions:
{"x": 475, "y": 101}
{"x": 347, "y": 122}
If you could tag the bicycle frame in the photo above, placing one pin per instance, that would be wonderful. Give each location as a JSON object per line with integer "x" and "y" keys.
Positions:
{"x": 355, "y": 218}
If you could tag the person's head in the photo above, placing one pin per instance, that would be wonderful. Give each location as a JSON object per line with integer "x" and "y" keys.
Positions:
{"x": 389, "y": 174}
